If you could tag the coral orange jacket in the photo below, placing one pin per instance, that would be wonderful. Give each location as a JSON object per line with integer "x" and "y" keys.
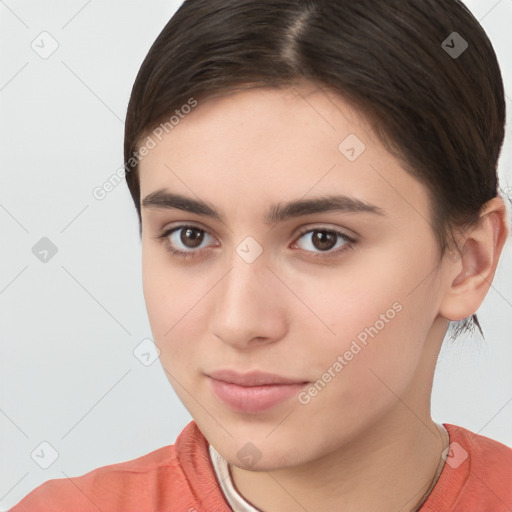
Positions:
{"x": 477, "y": 477}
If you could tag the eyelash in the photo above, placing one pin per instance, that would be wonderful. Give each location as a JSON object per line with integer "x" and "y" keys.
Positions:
{"x": 350, "y": 242}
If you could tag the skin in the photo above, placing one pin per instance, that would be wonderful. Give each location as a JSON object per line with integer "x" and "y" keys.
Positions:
{"x": 367, "y": 439}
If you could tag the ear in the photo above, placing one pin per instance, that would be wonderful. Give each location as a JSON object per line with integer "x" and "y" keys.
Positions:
{"x": 470, "y": 275}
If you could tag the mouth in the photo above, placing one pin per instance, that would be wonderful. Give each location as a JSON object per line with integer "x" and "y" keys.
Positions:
{"x": 253, "y": 378}
{"x": 253, "y": 392}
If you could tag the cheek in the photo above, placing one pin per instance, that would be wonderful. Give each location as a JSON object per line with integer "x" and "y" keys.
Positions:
{"x": 376, "y": 326}
{"x": 365, "y": 333}
{"x": 163, "y": 303}
{"x": 378, "y": 289}
{"x": 173, "y": 300}
{"x": 362, "y": 370}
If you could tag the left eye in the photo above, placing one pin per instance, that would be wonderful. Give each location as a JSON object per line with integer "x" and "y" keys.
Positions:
{"x": 325, "y": 240}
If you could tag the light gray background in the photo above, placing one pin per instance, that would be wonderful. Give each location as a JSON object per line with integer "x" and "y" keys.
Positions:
{"x": 69, "y": 326}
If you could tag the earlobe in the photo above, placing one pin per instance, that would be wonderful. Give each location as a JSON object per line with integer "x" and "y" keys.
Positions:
{"x": 479, "y": 257}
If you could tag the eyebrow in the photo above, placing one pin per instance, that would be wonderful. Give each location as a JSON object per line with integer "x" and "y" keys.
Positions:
{"x": 164, "y": 200}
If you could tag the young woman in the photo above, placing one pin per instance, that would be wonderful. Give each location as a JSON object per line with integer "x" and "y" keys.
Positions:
{"x": 318, "y": 201}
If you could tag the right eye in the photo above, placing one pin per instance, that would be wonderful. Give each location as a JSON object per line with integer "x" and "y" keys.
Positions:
{"x": 184, "y": 241}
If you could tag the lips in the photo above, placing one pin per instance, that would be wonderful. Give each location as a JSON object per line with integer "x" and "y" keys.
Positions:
{"x": 254, "y": 378}
{"x": 253, "y": 392}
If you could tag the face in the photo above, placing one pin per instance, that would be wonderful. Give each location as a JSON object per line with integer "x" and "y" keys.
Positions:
{"x": 341, "y": 296}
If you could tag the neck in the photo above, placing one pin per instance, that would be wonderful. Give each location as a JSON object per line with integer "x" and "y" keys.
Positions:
{"x": 389, "y": 468}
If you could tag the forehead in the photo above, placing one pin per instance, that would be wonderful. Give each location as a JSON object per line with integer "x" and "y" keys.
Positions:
{"x": 269, "y": 144}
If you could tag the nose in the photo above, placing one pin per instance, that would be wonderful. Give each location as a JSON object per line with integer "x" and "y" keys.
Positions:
{"x": 249, "y": 305}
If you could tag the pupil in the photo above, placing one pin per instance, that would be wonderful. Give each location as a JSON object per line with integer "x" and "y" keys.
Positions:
{"x": 324, "y": 240}
{"x": 193, "y": 235}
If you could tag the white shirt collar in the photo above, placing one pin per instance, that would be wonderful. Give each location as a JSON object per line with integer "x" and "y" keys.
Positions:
{"x": 223, "y": 473}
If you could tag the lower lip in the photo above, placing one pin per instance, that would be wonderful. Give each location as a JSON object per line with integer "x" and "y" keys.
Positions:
{"x": 253, "y": 399}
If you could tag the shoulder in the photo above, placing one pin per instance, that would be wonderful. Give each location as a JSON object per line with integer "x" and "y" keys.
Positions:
{"x": 483, "y": 450}
{"x": 477, "y": 474}
{"x": 152, "y": 481}
{"x": 107, "y": 486}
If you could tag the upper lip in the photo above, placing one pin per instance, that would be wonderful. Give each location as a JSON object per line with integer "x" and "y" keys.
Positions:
{"x": 253, "y": 378}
